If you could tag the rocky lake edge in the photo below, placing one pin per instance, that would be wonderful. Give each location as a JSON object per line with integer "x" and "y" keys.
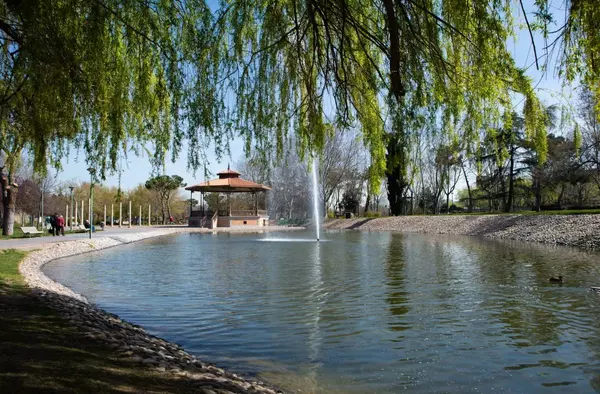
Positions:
{"x": 125, "y": 339}
{"x": 568, "y": 230}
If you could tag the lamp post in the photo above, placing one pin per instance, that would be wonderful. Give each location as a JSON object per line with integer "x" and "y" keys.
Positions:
{"x": 92, "y": 172}
{"x": 71, "y": 213}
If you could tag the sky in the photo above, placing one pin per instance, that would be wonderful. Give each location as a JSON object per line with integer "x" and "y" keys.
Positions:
{"x": 137, "y": 170}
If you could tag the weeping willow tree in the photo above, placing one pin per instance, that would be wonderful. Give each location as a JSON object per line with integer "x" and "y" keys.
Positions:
{"x": 387, "y": 66}
{"x": 107, "y": 76}
{"x": 118, "y": 76}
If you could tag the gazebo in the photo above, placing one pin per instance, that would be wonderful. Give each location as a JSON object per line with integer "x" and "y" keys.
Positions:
{"x": 229, "y": 182}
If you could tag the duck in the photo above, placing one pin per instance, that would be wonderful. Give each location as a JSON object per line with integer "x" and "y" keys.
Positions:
{"x": 595, "y": 289}
{"x": 556, "y": 280}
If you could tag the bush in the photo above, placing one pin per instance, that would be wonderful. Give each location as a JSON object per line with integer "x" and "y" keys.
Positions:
{"x": 372, "y": 214}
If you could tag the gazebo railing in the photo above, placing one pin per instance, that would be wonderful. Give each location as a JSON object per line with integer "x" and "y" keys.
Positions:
{"x": 244, "y": 212}
{"x": 199, "y": 212}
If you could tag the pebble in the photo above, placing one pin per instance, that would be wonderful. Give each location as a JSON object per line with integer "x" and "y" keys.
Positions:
{"x": 569, "y": 230}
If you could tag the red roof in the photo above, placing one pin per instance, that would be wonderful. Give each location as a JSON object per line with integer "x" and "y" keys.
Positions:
{"x": 228, "y": 174}
{"x": 229, "y": 181}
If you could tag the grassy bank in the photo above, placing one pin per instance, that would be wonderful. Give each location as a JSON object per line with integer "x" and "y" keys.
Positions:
{"x": 42, "y": 352}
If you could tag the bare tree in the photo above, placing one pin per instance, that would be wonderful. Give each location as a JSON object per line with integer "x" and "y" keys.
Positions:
{"x": 291, "y": 195}
{"x": 340, "y": 162}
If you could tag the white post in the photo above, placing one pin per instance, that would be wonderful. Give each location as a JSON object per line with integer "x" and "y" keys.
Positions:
{"x": 120, "y": 214}
{"x": 76, "y": 212}
{"x": 104, "y": 221}
{"x": 82, "y": 211}
{"x": 112, "y": 214}
{"x": 140, "y": 222}
{"x": 129, "y": 214}
{"x": 149, "y": 215}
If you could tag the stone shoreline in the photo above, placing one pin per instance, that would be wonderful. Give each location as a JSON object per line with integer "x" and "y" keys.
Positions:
{"x": 128, "y": 340}
{"x": 570, "y": 230}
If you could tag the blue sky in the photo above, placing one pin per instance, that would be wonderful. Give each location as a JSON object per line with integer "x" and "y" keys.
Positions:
{"x": 137, "y": 170}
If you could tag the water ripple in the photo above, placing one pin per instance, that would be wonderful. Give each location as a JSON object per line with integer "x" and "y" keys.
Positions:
{"x": 363, "y": 312}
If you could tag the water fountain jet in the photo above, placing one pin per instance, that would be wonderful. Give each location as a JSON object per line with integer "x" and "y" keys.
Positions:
{"x": 315, "y": 196}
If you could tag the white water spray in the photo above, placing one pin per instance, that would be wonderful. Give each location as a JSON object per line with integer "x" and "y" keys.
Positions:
{"x": 315, "y": 196}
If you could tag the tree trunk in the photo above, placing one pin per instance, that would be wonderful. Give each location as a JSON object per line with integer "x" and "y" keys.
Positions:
{"x": 560, "y": 196}
{"x": 395, "y": 177}
{"x": 470, "y": 206}
{"x": 538, "y": 193}
{"x": 367, "y": 203}
{"x": 9, "y": 203}
{"x": 511, "y": 184}
{"x": 395, "y": 148}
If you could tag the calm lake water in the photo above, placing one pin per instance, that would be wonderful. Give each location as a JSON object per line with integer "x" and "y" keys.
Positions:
{"x": 362, "y": 312}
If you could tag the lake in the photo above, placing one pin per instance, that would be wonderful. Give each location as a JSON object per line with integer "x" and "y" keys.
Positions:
{"x": 361, "y": 312}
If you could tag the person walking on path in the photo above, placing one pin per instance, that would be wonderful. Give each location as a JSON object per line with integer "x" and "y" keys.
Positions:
{"x": 53, "y": 224}
{"x": 60, "y": 225}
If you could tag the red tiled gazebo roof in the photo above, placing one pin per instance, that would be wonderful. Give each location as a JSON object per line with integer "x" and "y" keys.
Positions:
{"x": 229, "y": 181}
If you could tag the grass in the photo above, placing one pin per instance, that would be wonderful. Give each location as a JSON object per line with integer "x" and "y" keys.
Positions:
{"x": 9, "y": 268}
{"x": 42, "y": 352}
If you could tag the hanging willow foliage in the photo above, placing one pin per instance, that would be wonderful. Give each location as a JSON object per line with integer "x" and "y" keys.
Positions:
{"x": 109, "y": 76}
{"x": 117, "y": 75}
{"x": 290, "y": 61}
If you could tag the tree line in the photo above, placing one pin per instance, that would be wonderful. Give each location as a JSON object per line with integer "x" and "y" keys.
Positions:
{"x": 504, "y": 173}
{"x": 40, "y": 197}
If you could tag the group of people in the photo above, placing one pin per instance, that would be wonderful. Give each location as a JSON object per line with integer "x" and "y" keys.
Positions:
{"x": 57, "y": 224}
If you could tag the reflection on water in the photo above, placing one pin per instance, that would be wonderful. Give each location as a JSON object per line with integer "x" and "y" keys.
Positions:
{"x": 363, "y": 312}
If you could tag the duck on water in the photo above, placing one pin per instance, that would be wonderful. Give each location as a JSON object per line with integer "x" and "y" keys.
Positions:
{"x": 560, "y": 279}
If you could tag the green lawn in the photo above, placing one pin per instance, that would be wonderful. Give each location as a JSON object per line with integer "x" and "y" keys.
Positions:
{"x": 42, "y": 352}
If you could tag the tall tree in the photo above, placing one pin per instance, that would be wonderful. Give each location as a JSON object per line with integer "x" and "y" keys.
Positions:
{"x": 165, "y": 187}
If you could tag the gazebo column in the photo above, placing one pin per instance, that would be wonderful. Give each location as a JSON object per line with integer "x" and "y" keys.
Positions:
{"x": 255, "y": 203}
{"x": 229, "y": 204}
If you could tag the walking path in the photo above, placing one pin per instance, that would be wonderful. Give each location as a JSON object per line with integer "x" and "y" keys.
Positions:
{"x": 37, "y": 242}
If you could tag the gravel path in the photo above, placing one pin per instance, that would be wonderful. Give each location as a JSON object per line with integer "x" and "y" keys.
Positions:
{"x": 571, "y": 230}
{"x": 126, "y": 339}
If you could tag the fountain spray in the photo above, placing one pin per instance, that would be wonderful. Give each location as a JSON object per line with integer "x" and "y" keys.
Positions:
{"x": 315, "y": 195}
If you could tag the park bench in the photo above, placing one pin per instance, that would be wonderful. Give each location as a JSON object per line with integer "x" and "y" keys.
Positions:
{"x": 30, "y": 230}
{"x": 82, "y": 227}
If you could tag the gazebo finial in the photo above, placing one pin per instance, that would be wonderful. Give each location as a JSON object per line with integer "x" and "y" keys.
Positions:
{"x": 228, "y": 167}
